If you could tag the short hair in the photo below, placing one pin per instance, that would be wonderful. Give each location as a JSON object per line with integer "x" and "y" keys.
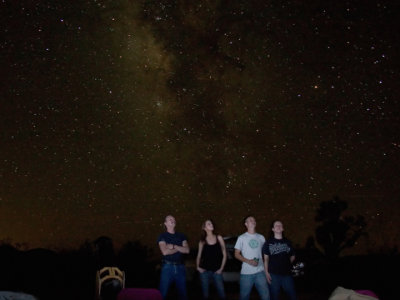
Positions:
{"x": 274, "y": 221}
{"x": 248, "y": 216}
{"x": 271, "y": 233}
{"x": 165, "y": 219}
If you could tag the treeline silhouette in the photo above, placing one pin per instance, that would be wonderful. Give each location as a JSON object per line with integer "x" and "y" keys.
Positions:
{"x": 326, "y": 268}
{"x": 70, "y": 274}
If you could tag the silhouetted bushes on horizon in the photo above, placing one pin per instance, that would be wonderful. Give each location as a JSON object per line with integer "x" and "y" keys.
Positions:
{"x": 70, "y": 274}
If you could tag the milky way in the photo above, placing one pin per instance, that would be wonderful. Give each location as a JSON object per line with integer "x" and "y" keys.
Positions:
{"x": 116, "y": 113}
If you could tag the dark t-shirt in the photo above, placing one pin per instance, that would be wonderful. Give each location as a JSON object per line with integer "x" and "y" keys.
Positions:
{"x": 279, "y": 252}
{"x": 176, "y": 239}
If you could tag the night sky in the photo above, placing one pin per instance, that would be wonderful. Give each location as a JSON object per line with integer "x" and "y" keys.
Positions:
{"x": 117, "y": 113}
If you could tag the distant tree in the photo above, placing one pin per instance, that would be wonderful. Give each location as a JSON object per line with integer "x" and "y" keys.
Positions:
{"x": 138, "y": 264}
{"x": 104, "y": 252}
{"x": 336, "y": 232}
{"x": 9, "y": 262}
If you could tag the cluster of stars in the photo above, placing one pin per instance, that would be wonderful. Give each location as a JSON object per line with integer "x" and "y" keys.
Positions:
{"x": 138, "y": 110}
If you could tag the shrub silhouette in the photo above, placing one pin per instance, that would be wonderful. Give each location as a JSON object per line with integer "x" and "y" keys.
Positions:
{"x": 337, "y": 233}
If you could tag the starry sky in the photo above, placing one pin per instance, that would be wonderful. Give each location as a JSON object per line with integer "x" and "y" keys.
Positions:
{"x": 117, "y": 113}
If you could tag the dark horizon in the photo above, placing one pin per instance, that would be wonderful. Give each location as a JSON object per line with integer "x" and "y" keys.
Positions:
{"x": 44, "y": 273}
{"x": 332, "y": 220}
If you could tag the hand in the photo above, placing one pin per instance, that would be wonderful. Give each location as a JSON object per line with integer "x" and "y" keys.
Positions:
{"x": 219, "y": 271}
{"x": 170, "y": 246}
{"x": 269, "y": 279}
{"x": 201, "y": 270}
{"x": 252, "y": 262}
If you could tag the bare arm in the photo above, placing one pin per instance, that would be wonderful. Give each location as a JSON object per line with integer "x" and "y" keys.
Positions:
{"x": 184, "y": 248}
{"x": 167, "y": 249}
{"x": 266, "y": 261}
{"x": 224, "y": 256}
{"x": 292, "y": 258}
{"x": 201, "y": 244}
{"x": 239, "y": 256}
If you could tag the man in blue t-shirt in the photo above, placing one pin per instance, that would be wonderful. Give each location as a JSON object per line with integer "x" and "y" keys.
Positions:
{"x": 278, "y": 258}
{"x": 173, "y": 245}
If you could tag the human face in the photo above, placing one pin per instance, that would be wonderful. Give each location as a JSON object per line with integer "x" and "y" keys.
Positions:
{"x": 208, "y": 226}
{"x": 170, "y": 222}
{"x": 277, "y": 227}
{"x": 250, "y": 223}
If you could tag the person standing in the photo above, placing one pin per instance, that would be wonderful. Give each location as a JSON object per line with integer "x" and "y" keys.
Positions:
{"x": 278, "y": 259}
{"x": 211, "y": 259}
{"x": 248, "y": 250}
{"x": 173, "y": 245}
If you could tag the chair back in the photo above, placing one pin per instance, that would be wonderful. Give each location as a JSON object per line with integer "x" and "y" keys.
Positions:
{"x": 108, "y": 275}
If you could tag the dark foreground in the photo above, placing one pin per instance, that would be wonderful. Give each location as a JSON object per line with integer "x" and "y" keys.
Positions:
{"x": 232, "y": 292}
{"x": 71, "y": 275}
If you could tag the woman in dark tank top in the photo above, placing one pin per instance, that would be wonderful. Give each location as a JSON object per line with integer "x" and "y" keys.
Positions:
{"x": 211, "y": 259}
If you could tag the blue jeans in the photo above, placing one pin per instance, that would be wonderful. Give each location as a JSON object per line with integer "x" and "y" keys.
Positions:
{"x": 173, "y": 273}
{"x": 205, "y": 279}
{"x": 286, "y": 283}
{"x": 258, "y": 280}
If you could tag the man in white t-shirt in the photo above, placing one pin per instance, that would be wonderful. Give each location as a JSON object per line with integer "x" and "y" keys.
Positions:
{"x": 248, "y": 250}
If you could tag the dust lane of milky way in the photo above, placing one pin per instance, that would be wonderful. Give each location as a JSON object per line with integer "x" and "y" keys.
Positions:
{"x": 116, "y": 113}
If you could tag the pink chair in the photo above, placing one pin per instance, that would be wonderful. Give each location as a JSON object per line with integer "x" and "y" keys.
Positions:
{"x": 139, "y": 294}
{"x": 367, "y": 293}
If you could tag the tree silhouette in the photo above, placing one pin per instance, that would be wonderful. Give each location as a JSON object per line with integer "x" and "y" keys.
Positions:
{"x": 134, "y": 256}
{"x": 336, "y": 232}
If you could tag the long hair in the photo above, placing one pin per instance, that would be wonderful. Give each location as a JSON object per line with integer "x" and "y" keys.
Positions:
{"x": 203, "y": 232}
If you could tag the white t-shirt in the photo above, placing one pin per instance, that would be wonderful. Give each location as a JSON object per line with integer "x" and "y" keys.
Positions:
{"x": 250, "y": 246}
